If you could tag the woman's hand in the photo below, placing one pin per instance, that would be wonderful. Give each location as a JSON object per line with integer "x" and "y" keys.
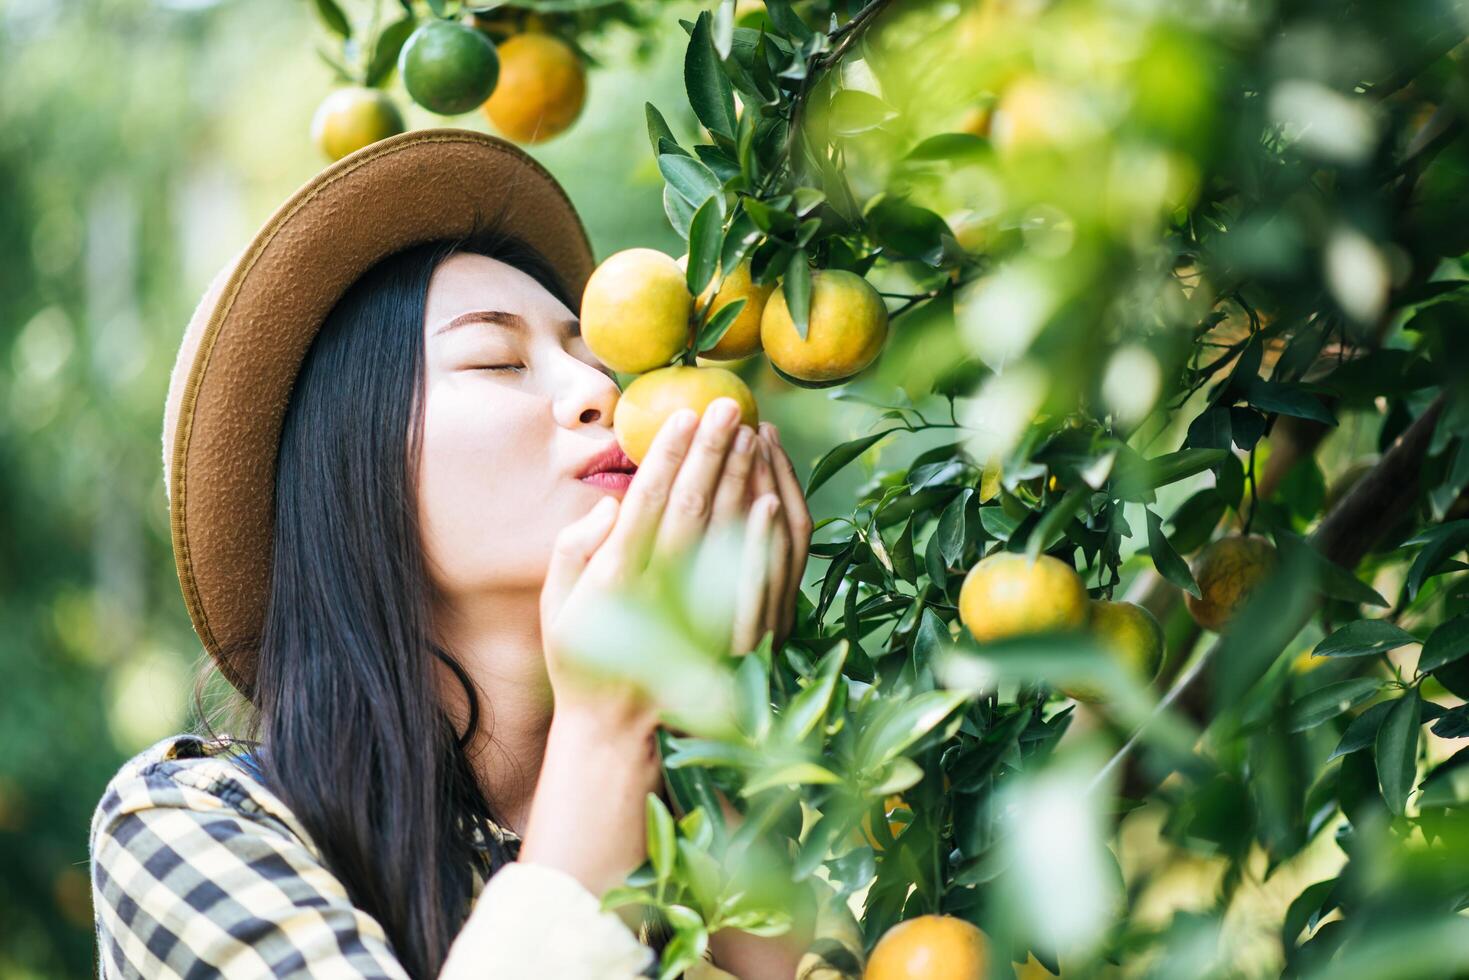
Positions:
{"x": 601, "y": 757}
{"x": 777, "y": 542}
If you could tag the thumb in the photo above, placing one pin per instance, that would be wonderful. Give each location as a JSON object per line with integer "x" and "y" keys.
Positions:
{"x": 575, "y": 545}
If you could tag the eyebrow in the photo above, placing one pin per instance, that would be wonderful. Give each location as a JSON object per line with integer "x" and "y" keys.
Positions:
{"x": 499, "y": 317}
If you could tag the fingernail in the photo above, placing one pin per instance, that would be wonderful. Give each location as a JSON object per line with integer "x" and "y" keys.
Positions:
{"x": 744, "y": 440}
{"x": 771, "y": 432}
{"x": 684, "y": 420}
{"x": 724, "y": 411}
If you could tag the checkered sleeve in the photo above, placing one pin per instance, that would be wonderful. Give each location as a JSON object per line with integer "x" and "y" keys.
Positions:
{"x": 192, "y": 877}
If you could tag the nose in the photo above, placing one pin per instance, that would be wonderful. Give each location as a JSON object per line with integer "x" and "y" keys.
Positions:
{"x": 585, "y": 396}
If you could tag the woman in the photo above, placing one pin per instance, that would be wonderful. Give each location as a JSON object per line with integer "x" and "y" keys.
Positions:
{"x": 392, "y": 483}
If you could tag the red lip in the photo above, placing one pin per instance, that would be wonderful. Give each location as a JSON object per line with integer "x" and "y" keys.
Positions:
{"x": 610, "y": 460}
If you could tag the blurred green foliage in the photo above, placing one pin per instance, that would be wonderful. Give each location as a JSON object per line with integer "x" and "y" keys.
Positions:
{"x": 141, "y": 143}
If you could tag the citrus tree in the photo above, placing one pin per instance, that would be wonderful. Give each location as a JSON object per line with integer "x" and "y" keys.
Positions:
{"x": 521, "y": 65}
{"x": 1167, "y": 459}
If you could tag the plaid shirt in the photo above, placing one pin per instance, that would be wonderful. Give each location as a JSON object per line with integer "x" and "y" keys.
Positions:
{"x": 199, "y": 870}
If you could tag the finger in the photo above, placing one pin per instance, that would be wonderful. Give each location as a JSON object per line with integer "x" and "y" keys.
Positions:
{"x": 574, "y": 547}
{"x": 754, "y": 585}
{"x": 777, "y": 579}
{"x": 762, "y": 477}
{"x": 798, "y": 521}
{"x": 734, "y": 480}
{"x": 632, "y": 536}
{"x": 691, "y": 499}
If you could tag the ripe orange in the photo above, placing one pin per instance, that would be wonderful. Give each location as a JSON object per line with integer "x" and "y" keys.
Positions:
{"x": 541, "y": 90}
{"x": 891, "y": 806}
{"x": 635, "y": 310}
{"x": 930, "y": 947}
{"x": 350, "y": 118}
{"x": 1228, "y": 572}
{"x": 1008, "y": 595}
{"x": 652, "y": 398}
{"x": 448, "y": 67}
{"x": 846, "y": 328}
{"x": 1131, "y": 634}
{"x": 743, "y": 336}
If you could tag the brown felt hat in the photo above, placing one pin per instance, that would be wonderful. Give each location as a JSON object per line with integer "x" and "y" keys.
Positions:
{"x": 246, "y": 340}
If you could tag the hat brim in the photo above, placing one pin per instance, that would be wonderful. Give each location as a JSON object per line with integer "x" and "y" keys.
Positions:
{"x": 246, "y": 342}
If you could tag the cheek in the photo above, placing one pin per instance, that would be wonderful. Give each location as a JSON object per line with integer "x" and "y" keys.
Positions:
{"x": 484, "y": 480}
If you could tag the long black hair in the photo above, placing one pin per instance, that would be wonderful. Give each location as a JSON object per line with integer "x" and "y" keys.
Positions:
{"x": 347, "y": 706}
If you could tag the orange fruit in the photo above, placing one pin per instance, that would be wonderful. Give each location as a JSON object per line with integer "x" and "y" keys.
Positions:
{"x": 652, "y": 398}
{"x": 448, "y": 67}
{"x": 1131, "y": 634}
{"x": 743, "y": 336}
{"x": 1228, "y": 572}
{"x": 1008, "y": 595}
{"x": 635, "y": 310}
{"x": 891, "y": 805}
{"x": 930, "y": 947}
{"x": 541, "y": 90}
{"x": 353, "y": 117}
{"x": 846, "y": 328}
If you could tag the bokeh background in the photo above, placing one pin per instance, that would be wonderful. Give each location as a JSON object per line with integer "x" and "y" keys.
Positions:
{"x": 141, "y": 144}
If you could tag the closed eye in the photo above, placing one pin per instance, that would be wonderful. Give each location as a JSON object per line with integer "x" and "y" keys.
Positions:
{"x": 499, "y": 367}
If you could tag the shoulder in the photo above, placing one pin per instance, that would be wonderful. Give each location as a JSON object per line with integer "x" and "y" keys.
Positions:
{"x": 187, "y": 772}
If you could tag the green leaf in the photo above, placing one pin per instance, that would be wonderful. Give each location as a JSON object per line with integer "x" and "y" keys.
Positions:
{"x": 738, "y": 240}
{"x": 385, "y": 51}
{"x": 951, "y": 146}
{"x": 1050, "y": 528}
{"x": 1133, "y": 477}
{"x": 1440, "y": 544}
{"x": 906, "y": 725}
{"x": 1364, "y": 637}
{"x": 791, "y": 774}
{"x": 950, "y": 531}
{"x": 332, "y": 17}
{"x": 680, "y": 212}
{"x": 752, "y": 697}
{"x": 1284, "y": 398}
{"x": 907, "y": 231}
{"x": 902, "y": 554}
{"x": 708, "y": 753}
{"x": 1325, "y": 703}
{"x": 1166, "y": 560}
{"x": 1448, "y": 642}
{"x": 902, "y": 773}
{"x": 657, "y": 128}
{"x": 693, "y": 181}
{"x": 661, "y": 851}
{"x": 706, "y": 231}
{"x": 690, "y": 940}
{"x": 797, "y": 290}
{"x": 930, "y": 637}
{"x": 710, "y": 92}
{"x": 1331, "y": 579}
{"x": 1397, "y": 751}
{"x": 840, "y": 455}
{"x": 723, "y": 30}
{"x": 714, "y": 330}
{"x": 1448, "y": 784}
{"x": 1362, "y": 732}
{"x": 807, "y": 708}
{"x": 998, "y": 524}
{"x": 1454, "y": 723}
{"x": 853, "y": 111}
{"x": 1304, "y": 909}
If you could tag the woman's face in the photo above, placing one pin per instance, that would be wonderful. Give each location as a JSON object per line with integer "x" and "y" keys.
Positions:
{"x": 517, "y": 420}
